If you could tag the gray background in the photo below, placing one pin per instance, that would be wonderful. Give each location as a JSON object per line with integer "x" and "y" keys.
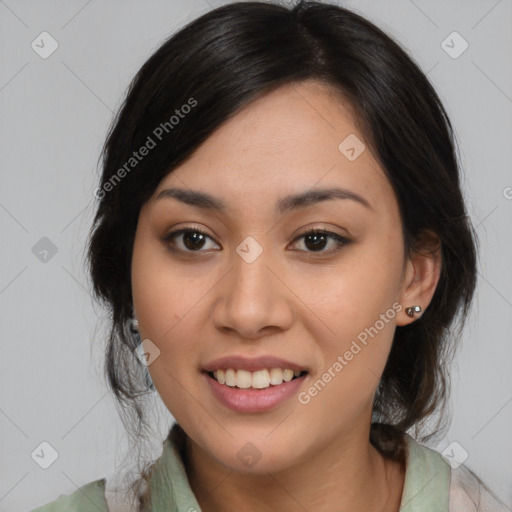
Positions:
{"x": 55, "y": 113}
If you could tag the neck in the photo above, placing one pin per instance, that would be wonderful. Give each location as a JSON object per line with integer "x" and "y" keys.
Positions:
{"x": 345, "y": 476}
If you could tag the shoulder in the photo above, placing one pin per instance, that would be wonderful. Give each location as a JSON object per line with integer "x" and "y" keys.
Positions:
{"x": 469, "y": 494}
{"x": 88, "y": 498}
{"x": 437, "y": 485}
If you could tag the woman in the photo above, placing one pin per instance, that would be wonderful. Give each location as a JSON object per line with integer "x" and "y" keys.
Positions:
{"x": 282, "y": 239}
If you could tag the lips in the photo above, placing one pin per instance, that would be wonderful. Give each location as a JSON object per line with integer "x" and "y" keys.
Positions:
{"x": 254, "y": 401}
{"x": 252, "y": 364}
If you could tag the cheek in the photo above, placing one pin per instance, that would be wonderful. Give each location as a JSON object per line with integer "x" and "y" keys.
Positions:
{"x": 352, "y": 294}
{"x": 343, "y": 388}
{"x": 163, "y": 291}
{"x": 359, "y": 305}
{"x": 167, "y": 302}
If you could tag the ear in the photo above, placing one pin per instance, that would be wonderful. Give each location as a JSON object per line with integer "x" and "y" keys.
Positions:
{"x": 421, "y": 275}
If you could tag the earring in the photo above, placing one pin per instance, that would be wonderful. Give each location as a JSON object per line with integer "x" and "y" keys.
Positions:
{"x": 134, "y": 325}
{"x": 412, "y": 310}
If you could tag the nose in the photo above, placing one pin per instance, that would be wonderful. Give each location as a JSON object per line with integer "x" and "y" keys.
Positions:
{"x": 252, "y": 300}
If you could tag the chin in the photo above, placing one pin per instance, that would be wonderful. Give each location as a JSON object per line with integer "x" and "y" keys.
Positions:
{"x": 256, "y": 455}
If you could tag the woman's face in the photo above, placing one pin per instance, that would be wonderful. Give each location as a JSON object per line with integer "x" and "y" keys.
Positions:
{"x": 255, "y": 287}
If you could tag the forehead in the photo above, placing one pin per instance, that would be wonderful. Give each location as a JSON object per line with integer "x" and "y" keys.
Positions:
{"x": 292, "y": 139}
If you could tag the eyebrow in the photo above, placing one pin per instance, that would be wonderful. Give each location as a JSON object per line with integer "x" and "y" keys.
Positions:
{"x": 206, "y": 201}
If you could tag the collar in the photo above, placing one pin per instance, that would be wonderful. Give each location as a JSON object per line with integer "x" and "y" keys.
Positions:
{"x": 427, "y": 479}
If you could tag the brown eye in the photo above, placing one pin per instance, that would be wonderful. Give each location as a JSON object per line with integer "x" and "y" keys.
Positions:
{"x": 317, "y": 239}
{"x": 192, "y": 239}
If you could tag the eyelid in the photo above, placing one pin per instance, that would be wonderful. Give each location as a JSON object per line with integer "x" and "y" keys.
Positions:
{"x": 320, "y": 229}
{"x": 187, "y": 229}
{"x": 341, "y": 241}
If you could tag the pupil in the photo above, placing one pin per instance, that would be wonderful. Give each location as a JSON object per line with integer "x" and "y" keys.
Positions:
{"x": 316, "y": 237}
{"x": 195, "y": 237}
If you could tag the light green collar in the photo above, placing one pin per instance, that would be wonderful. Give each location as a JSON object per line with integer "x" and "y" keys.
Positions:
{"x": 170, "y": 489}
{"x": 427, "y": 479}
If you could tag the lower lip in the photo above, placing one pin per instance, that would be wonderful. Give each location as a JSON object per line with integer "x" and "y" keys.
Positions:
{"x": 253, "y": 400}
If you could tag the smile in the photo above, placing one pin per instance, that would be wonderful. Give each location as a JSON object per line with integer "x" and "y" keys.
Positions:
{"x": 253, "y": 400}
{"x": 260, "y": 379}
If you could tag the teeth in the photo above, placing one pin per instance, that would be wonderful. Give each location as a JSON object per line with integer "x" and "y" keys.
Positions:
{"x": 230, "y": 378}
{"x": 288, "y": 375}
{"x": 260, "y": 379}
{"x": 243, "y": 379}
{"x": 276, "y": 376}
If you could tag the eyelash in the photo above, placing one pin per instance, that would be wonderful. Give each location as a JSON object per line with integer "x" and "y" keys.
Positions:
{"x": 341, "y": 241}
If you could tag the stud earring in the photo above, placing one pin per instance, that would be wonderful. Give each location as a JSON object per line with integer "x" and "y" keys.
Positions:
{"x": 133, "y": 325}
{"x": 411, "y": 311}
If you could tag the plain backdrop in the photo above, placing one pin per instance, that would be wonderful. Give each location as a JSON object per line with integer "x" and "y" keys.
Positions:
{"x": 55, "y": 112}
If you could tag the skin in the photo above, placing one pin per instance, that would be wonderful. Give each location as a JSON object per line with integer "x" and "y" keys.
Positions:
{"x": 293, "y": 302}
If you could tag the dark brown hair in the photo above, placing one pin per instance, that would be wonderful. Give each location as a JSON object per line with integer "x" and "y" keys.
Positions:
{"x": 224, "y": 60}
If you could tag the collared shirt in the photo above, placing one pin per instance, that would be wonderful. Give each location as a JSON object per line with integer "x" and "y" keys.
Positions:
{"x": 431, "y": 485}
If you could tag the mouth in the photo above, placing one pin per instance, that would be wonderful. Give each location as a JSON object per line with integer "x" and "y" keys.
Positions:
{"x": 254, "y": 392}
{"x": 255, "y": 380}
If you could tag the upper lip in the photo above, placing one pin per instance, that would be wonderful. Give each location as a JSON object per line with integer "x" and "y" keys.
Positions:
{"x": 251, "y": 364}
